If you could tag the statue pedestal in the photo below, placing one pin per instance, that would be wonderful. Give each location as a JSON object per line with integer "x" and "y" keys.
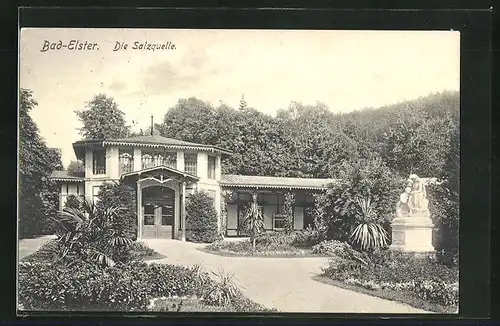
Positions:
{"x": 412, "y": 233}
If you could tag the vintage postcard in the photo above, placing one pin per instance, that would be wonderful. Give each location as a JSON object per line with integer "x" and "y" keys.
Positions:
{"x": 165, "y": 170}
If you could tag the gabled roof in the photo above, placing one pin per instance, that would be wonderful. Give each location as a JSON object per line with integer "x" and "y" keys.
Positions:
{"x": 161, "y": 168}
{"x": 153, "y": 141}
{"x": 65, "y": 176}
{"x": 247, "y": 181}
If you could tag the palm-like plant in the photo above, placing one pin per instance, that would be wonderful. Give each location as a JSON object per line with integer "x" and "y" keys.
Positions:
{"x": 88, "y": 233}
{"x": 368, "y": 234}
{"x": 254, "y": 220}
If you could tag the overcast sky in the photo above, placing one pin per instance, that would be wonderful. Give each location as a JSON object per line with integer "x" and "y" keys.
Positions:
{"x": 346, "y": 70}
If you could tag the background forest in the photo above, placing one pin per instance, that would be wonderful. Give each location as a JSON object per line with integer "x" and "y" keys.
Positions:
{"x": 420, "y": 136}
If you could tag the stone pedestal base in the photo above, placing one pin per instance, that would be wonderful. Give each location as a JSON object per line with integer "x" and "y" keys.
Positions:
{"x": 412, "y": 234}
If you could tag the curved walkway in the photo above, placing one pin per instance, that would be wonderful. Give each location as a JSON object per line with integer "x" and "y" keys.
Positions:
{"x": 28, "y": 246}
{"x": 281, "y": 283}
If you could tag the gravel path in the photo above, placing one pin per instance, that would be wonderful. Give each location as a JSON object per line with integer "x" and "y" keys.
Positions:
{"x": 281, "y": 283}
{"x": 28, "y": 246}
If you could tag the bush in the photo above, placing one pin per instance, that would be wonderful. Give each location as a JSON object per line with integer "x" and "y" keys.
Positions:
{"x": 307, "y": 238}
{"x": 201, "y": 218}
{"x": 424, "y": 277}
{"x": 271, "y": 239}
{"x": 364, "y": 178}
{"x": 85, "y": 286}
{"x": 332, "y": 248}
{"x": 123, "y": 196}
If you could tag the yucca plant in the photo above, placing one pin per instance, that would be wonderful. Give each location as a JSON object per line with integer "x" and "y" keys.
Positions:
{"x": 368, "y": 234}
{"x": 254, "y": 220}
{"x": 88, "y": 234}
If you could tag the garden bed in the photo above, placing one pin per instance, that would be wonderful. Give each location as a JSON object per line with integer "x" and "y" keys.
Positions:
{"x": 399, "y": 296}
{"x": 422, "y": 282}
{"x": 271, "y": 245}
{"x": 127, "y": 287}
{"x": 138, "y": 252}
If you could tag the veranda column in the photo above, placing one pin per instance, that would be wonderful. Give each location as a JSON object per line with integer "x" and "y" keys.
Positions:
{"x": 183, "y": 211}
{"x": 139, "y": 211}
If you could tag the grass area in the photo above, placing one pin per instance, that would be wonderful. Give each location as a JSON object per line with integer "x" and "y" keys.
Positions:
{"x": 399, "y": 296}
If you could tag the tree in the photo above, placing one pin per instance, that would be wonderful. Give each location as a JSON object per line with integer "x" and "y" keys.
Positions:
{"x": 76, "y": 168}
{"x": 37, "y": 199}
{"x": 102, "y": 119}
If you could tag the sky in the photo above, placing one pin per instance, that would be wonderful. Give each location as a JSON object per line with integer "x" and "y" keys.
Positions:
{"x": 346, "y": 70}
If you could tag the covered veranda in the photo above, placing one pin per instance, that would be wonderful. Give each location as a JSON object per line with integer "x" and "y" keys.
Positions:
{"x": 161, "y": 201}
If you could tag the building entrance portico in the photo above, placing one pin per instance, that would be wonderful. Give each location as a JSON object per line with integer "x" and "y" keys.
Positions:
{"x": 161, "y": 193}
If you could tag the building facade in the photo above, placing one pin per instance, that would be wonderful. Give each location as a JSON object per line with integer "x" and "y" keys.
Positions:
{"x": 165, "y": 171}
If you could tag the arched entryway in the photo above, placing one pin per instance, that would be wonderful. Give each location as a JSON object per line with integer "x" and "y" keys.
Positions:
{"x": 158, "y": 210}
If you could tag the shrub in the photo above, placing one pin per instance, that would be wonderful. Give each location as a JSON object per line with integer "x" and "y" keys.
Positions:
{"x": 72, "y": 201}
{"x": 307, "y": 238}
{"x": 424, "y": 277}
{"x": 361, "y": 179}
{"x": 123, "y": 196}
{"x": 332, "y": 248}
{"x": 125, "y": 287}
{"x": 275, "y": 238}
{"x": 201, "y": 218}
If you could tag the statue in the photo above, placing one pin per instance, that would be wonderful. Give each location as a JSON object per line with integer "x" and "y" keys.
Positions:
{"x": 403, "y": 207}
{"x": 418, "y": 195}
{"x": 412, "y": 228}
{"x": 414, "y": 199}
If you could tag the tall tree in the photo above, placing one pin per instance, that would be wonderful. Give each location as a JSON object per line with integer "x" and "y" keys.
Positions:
{"x": 101, "y": 119}
{"x": 37, "y": 199}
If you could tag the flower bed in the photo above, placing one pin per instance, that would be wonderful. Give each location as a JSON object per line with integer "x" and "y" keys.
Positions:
{"x": 424, "y": 278}
{"x": 124, "y": 287}
{"x": 274, "y": 244}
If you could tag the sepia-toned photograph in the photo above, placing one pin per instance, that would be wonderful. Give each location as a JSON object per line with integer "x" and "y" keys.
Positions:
{"x": 226, "y": 170}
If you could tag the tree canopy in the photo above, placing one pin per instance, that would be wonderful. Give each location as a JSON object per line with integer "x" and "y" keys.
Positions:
{"x": 37, "y": 194}
{"x": 101, "y": 119}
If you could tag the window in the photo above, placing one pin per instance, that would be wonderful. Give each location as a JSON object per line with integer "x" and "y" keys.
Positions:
{"x": 190, "y": 163}
{"x": 147, "y": 161}
{"x": 279, "y": 221}
{"x": 211, "y": 167}
{"x": 149, "y": 214}
{"x": 158, "y": 160}
{"x": 171, "y": 160}
{"x": 126, "y": 162}
{"x": 99, "y": 161}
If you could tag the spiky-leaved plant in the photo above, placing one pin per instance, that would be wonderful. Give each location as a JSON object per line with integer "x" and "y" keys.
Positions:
{"x": 87, "y": 233}
{"x": 368, "y": 234}
{"x": 254, "y": 220}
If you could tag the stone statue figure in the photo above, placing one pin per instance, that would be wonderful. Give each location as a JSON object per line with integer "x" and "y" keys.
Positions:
{"x": 403, "y": 207}
{"x": 414, "y": 199}
{"x": 418, "y": 195}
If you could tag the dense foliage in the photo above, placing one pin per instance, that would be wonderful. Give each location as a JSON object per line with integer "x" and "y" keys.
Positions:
{"x": 338, "y": 212}
{"x": 125, "y": 287}
{"x": 119, "y": 194}
{"x": 102, "y": 119}
{"x": 38, "y": 195}
{"x": 201, "y": 218}
{"x": 423, "y": 277}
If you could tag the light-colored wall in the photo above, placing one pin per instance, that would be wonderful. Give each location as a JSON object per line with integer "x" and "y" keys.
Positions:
{"x": 112, "y": 164}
